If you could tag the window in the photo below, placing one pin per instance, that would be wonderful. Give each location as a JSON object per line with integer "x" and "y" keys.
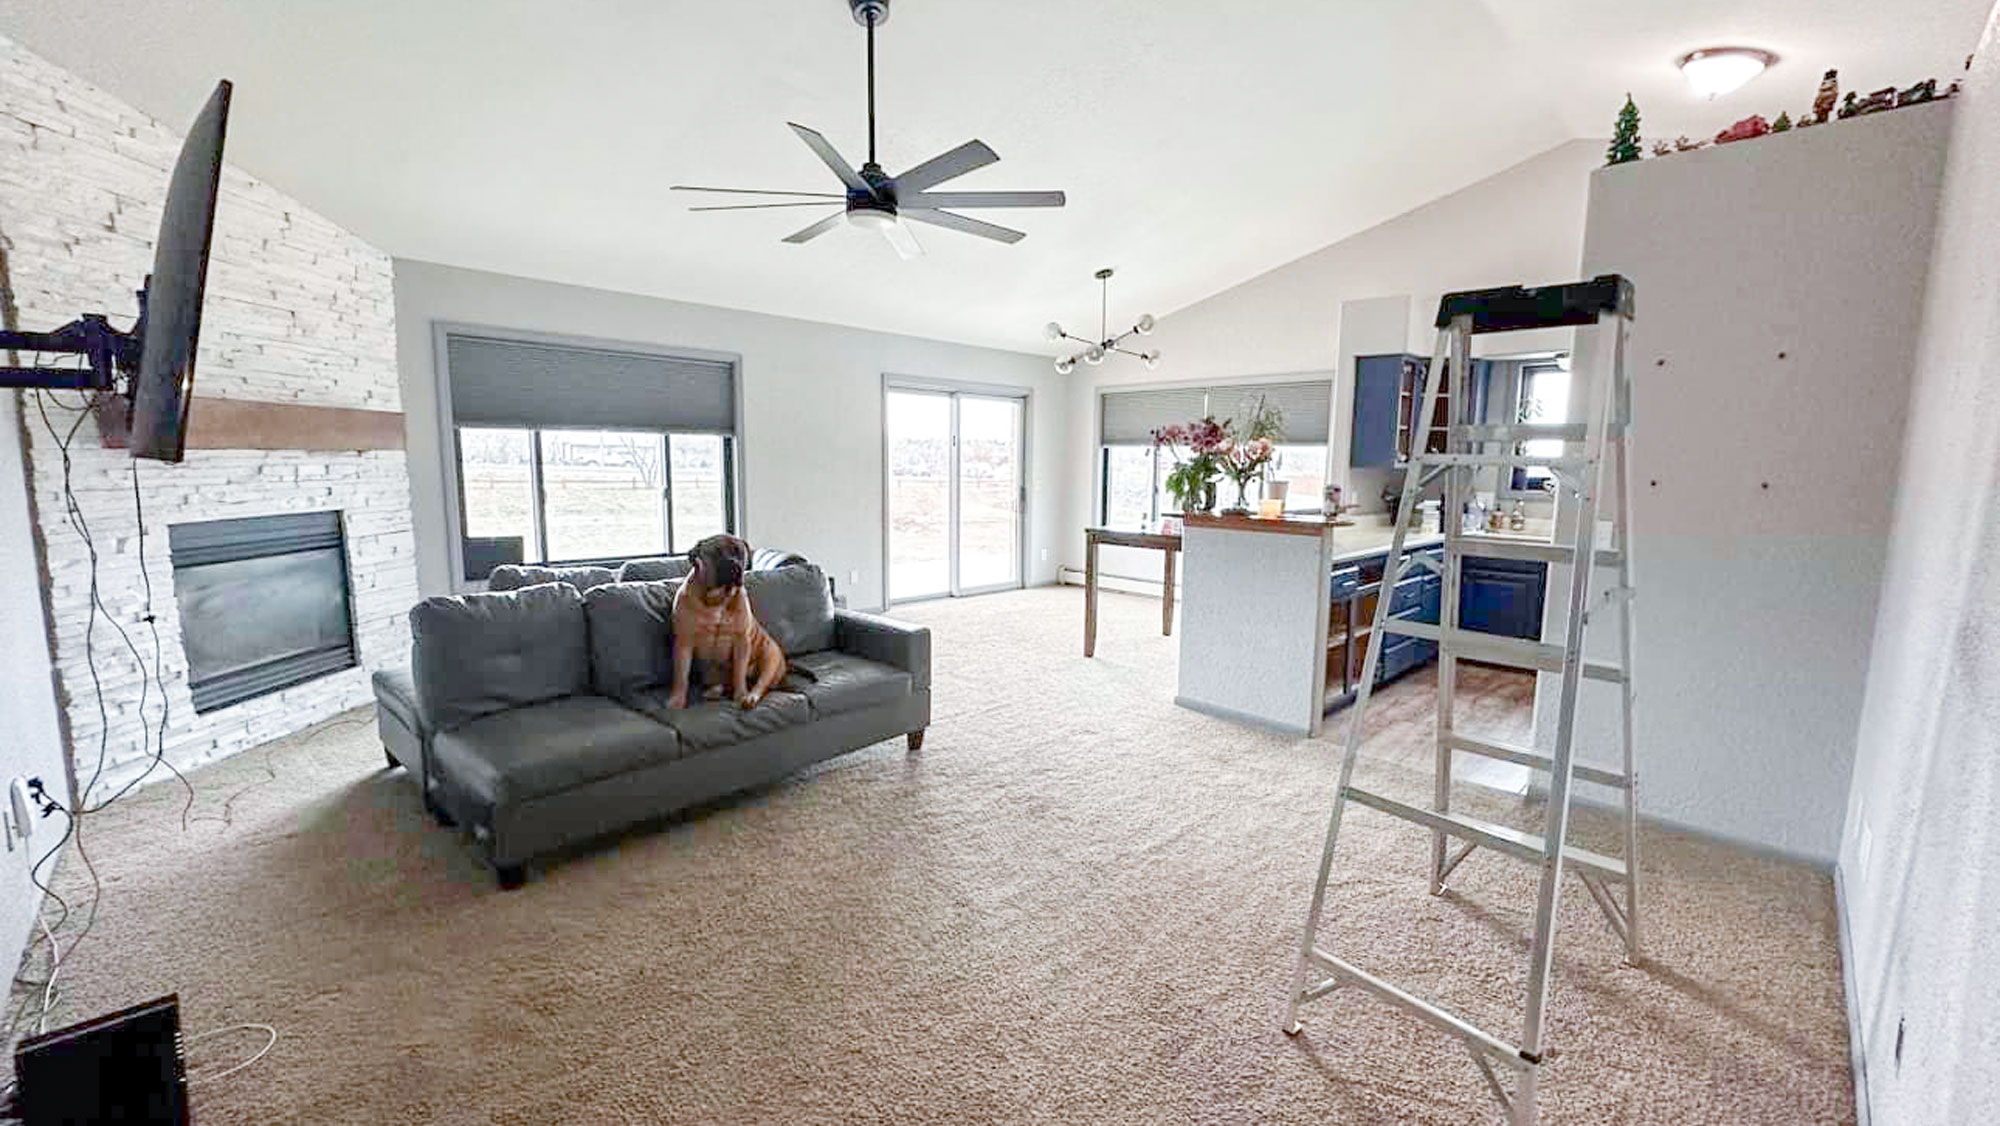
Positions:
{"x": 1134, "y": 473}
{"x": 603, "y": 494}
{"x": 1133, "y": 486}
{"x": 1542, "y": 395}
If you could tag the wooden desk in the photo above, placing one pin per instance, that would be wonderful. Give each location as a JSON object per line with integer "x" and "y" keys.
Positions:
{"x": 1116, "y": 537}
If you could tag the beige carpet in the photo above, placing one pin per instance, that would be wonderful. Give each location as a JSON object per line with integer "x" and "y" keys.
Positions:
{"x": 1077, "y": 904}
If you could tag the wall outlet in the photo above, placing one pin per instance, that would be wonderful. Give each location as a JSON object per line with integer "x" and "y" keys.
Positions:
{"x": 854, "y": 577}
{"x": 1045, "y": 555}
{"x": 21, "y": 811}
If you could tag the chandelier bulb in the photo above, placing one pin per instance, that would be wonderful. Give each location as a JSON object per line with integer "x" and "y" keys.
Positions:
{"x": 1053, "y": 331}
{"x": 1065, "y": 365}
{"x": 1145, "y": 325}
{"x": 1151, "y": 360}
{"x": 1094, "y": 354}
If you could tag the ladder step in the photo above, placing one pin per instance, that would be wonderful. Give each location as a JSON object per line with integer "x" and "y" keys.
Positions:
{"x": 1492, "y": 648}
{"x": 1486, "y": 834}
{"x": 1346, "y": 973}
{"x": 1507, "y": 752}
{"x": 1526, "y": 432}
{"x": 1532, "y": 551}
{"x": 1524, "y": 460}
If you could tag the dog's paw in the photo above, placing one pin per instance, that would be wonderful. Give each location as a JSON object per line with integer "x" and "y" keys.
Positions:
{"x": 677, "y": 700}
{"x": 751, "y": 700}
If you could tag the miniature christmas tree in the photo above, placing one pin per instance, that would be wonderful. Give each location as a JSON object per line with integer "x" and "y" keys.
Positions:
{"x": 1783, "y": 123}
{"x": 1850, "y": 106}
{"x": 1625, "y": 138}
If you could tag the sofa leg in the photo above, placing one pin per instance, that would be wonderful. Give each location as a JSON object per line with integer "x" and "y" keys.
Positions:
{"x": 438, "y": 814}
{"x": 511, "y": 876}
{"x": 916, "y": 739}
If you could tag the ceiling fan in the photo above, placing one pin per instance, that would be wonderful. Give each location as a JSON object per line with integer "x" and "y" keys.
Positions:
{"x": 878, "y": 201}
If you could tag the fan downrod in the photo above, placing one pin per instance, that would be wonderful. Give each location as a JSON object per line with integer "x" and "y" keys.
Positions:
{"x": 868, "y": 12}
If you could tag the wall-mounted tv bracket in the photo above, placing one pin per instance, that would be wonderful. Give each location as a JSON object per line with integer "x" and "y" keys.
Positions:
{"x": 111, "y": 353}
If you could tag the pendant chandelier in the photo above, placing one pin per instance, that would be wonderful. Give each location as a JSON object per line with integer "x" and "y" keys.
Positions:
{"x": 1094, "y": 351}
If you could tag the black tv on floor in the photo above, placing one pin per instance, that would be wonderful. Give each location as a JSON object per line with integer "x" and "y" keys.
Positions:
{"x": 155, "y": 360}
{"x": 125, "y": 1067}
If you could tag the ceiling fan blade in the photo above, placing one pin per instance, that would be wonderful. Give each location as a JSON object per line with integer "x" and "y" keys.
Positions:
{"x": 903, "y": 239}
{"x": 832, "y": 157}
{"x": 982, "y": 199}
{"x": 759, "y": 206}
{"x": 938, "y": 169}
{"x": 952, "y": 222}
{"x": 817, "y": 229}
{"x": 753, "y": 191}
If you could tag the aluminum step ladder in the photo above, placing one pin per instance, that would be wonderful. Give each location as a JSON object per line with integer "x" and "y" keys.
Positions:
{"x": 1580, "y": 473}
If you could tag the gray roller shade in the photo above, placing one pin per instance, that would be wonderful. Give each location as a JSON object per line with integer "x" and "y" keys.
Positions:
{"x": 1131, "y": 416}
{"x": 518, "y": 383}
{"x": 1307, "y": 406}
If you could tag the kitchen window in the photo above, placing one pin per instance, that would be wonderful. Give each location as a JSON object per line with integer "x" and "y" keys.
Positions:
{"x": 1540, "y": 395}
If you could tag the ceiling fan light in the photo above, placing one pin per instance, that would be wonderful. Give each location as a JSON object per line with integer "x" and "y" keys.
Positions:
{"x": 1053, "y": 331}
{"x": 1715, "y": 71}
{"x": 871, "y": 218}
{"x": 1094, "y": 354}
{"x": 1151, "y": 360}
{"x": 1065, "y": 365}
{"x": 1145, "y": 325}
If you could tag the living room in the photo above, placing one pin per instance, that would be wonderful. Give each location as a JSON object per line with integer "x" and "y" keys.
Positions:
{"x": 1021, "y": 832}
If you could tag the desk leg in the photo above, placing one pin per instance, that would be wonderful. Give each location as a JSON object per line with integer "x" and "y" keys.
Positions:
{"x": 1090, "y": 597}
{"x": 1167, "y": 603}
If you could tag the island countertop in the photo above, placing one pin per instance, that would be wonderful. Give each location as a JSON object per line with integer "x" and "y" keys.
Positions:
{"x": 1351, "y": 541}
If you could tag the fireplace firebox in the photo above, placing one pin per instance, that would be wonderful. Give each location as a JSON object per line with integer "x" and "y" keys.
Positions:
{"x": 263, "y": 604}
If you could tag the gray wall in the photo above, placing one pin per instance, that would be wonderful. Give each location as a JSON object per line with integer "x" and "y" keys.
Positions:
{"x": 1780, "y": 287}
{"x": 30, "y": 742}
{"x": 1920, "y": 859}
{"x": 811, "y": 421}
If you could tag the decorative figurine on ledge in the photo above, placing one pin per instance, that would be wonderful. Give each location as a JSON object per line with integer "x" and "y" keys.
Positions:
{"x": 1625, "y": 136}
{"x": 1925, "y": 91}
{"x": 1682, "y": 144}
{"x": 1752, "y": 126}
{"x": 1662, "y": 148}
{"x": 1882, "y": 99}
{"x": 1829, "y": 94}
{"x": 1783, "y": 124}
{"x": 1850, "y": 106}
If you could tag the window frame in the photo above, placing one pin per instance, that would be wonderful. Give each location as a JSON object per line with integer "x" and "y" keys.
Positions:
{"x": 1517, "y": 382}
{"x": 451, "y": 455}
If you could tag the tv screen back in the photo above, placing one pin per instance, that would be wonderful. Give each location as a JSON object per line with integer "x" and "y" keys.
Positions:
{"x": 171, "y": 324}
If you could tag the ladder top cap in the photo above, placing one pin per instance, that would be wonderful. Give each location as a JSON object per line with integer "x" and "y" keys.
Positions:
{"x": 1512, "y": 308}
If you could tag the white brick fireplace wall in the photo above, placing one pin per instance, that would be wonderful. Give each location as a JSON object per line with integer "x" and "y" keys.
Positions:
{"x": 298, "y": 311}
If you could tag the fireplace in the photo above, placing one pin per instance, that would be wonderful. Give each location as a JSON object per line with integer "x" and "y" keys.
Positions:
{"x": 263, "y": 604}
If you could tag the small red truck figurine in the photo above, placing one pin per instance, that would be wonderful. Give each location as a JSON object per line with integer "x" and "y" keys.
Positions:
{"x": 1752, "y": 126}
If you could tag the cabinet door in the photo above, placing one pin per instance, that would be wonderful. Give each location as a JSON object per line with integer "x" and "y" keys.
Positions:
{"x": 1377, "y": 385}
{"x": 1502, "y": 597}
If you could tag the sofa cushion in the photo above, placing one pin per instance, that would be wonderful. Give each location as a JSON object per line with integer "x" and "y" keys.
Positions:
{"x": 631, "y": 626}
{"x": 514, "y": 576}
{"x": 832, "y": 681}
{"x": 794, "y": 607}
{"x": 530, "y": 752}
{"x": 650, "y": 570}
{"x": 713, "y": 724}
{"x": 476, "y": 654}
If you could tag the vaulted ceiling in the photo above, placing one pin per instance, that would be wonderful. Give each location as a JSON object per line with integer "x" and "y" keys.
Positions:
{"x": 1201, "y": 143}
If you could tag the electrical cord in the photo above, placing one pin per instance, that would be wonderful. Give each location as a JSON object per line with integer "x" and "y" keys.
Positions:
{"x": 227, "y": 1071}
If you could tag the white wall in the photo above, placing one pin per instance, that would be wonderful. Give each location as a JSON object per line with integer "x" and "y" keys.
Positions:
{"x": 1779, "y": 286}
{"x": 1920, "y": 860}
{"x": 812, "y": 410}
{"x": 1522, "y": 225}
{"x": 32, "y": 746}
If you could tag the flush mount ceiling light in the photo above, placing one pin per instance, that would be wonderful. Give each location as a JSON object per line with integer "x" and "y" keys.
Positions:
{"x": 1095, "y": 350}
{"x": 1714, "y": 71}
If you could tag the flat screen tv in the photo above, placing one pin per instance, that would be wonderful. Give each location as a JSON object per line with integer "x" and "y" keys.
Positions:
{"x": 170, "y": 324}
{"x": 157, "y": 357}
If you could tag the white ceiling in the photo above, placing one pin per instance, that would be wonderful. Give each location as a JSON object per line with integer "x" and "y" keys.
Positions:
{"x": 1201, "y": 143}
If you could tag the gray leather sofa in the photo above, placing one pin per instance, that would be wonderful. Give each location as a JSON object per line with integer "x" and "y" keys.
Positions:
{"x": 537, "y": 717}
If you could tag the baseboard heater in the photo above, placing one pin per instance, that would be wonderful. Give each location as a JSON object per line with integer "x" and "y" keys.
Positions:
{"x": 124, "y": 1068}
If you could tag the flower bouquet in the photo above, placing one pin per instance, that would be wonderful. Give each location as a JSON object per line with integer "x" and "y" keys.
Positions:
{"x": 1197, "y": 452}
{"x": 1250, "y": 449}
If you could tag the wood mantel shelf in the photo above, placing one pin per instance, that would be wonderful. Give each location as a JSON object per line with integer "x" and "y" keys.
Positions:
{"x": 1280, "y": 525}
{"x": 250, "y": 424}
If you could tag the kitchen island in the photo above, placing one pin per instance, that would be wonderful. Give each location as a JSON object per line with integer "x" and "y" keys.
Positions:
{"x": 1256, "y": 610}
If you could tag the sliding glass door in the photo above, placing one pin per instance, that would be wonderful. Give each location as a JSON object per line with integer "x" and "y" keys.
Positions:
{"x": 955, "y": 491}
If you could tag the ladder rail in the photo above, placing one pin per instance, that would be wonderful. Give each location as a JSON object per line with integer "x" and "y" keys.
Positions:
{"x": 1622, "y": 443}
{"x": 1455, "y": 481}
{"x": 1391, "y": 568}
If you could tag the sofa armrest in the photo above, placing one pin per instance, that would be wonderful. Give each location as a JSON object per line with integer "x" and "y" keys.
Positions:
{"x": 891, "y": 642}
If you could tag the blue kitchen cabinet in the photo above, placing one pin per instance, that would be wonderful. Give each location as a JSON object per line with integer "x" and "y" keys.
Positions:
{"x": 1386, "y": 404}
{"x": 1502, "y": 596}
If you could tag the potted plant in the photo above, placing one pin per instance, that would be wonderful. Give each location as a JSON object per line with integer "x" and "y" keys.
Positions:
{"x": 1196, "y": 448}
{"x": 1250, "y": 449}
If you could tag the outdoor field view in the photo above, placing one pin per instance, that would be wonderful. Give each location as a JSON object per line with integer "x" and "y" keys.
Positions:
{"x": 604, "y": 493}
{"x": 920, "y": 492}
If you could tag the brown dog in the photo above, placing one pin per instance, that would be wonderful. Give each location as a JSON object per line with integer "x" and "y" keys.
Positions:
{"x": 713, "y": 623}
